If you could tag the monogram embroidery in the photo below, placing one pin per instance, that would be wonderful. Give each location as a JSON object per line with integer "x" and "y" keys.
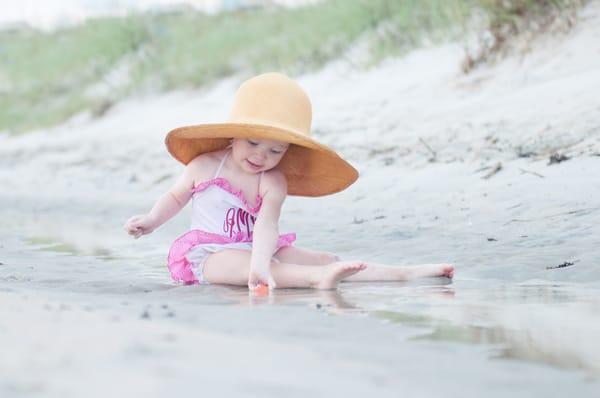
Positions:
{"x": 238, "y": 221}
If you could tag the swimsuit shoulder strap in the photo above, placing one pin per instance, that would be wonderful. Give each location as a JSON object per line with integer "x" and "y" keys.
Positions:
{"x": 259, "y": 178}
{"x": 221, "y": 165}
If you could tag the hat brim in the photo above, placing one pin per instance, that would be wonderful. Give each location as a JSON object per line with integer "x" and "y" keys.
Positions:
{"x": 311, "y": 168}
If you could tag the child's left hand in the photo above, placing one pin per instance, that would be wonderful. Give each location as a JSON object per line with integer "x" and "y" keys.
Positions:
{"x": 260, "y": 277}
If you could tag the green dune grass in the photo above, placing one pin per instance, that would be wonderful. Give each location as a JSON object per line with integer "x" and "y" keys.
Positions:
{"x": 45, "y": 78}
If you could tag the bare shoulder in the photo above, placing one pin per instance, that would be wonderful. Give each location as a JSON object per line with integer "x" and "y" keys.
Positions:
{"x": 203, "y": 166}
{"x": 206, "y": 160}
{"x": 274, "y": 184}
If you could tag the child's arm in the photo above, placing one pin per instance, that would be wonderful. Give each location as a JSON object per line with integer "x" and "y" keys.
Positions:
{"x": 266, "y": 229}
{"x": 166, "y": 206}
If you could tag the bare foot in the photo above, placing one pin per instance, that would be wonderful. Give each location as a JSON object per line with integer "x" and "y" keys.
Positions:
{"x": 427, "y": 270}
{"x": 332, "y": 274}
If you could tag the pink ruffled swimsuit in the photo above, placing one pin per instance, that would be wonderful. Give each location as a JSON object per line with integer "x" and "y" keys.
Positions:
{"x": 221, "y": 219}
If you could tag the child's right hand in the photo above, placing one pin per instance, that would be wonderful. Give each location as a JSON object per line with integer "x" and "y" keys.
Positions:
{"x": 140, "y": 225}
{"x": 260, "y": 277}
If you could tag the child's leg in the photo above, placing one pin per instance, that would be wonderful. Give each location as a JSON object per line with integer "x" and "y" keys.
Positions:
{"x": 373, "y": 272}
{"x": 381, "y": 272}
{"x": 232, "y": 267}
{"x": 297, "y": 255}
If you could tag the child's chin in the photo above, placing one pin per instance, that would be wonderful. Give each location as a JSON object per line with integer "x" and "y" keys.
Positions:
{"x": 251, "y": 170}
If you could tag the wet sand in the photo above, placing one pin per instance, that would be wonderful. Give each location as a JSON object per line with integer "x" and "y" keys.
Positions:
{"x": 109, "y": 326}
{"x": 88, "y": 311}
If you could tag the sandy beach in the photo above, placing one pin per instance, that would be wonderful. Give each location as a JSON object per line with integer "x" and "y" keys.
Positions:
{"x": 496, "y": 171}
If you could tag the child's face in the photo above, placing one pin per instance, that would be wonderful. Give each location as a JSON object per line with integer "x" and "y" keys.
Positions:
{"x": 256, "y": 155}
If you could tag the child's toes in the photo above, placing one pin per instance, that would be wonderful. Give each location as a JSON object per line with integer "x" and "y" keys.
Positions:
{"x": 358, "y": 266}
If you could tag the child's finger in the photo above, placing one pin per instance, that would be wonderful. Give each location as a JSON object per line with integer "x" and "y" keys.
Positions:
{"x": 133, "y": 231}
{"x": 251, "y": 282}
{"x": 255, "y": 283}
{"x": 130, "y": 227}
{"x": 135, "y": 222}
{"x": 132, "y": 220}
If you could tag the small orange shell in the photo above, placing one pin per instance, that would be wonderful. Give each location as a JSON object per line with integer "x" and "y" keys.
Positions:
{"x": 261, "y": 290}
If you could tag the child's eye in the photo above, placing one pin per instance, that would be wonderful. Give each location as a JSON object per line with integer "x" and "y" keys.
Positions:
{"x": 253, "y": 143}
{"x": 276, "y": 152}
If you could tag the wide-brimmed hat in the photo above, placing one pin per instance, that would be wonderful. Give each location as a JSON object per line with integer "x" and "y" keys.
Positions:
{"x": 271, "y": 106}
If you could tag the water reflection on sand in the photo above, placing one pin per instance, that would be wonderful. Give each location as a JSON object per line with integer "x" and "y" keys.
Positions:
{"x": 518, "y": 322}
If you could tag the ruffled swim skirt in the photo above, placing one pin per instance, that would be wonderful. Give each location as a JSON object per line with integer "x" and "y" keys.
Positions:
{"x": 190, "y": 251}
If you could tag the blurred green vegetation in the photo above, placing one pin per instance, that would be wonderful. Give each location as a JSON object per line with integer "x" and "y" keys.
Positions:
{"x": 45, "y": 78}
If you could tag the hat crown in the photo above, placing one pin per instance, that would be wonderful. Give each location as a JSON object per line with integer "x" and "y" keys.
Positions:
{"x": 273, "y": 99}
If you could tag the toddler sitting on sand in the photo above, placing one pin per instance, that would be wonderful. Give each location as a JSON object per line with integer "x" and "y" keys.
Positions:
{"x": 238, "y": 175}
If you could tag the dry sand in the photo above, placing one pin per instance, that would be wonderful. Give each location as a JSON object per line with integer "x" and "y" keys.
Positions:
{"x": 88, "y": 312}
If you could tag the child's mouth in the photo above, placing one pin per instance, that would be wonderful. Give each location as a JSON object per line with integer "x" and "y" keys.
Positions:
{"x": 253, "y": 165}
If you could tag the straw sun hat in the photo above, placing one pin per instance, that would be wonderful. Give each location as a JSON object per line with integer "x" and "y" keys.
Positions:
{"x": 271, "y": 106}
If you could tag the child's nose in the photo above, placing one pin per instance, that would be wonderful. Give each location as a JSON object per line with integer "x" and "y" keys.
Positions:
{"x": 261, "y": 154}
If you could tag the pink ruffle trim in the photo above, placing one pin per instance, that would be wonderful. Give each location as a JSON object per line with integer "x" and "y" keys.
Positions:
{"x": 181, "y": 268}
{"x": 226, "y": 186}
